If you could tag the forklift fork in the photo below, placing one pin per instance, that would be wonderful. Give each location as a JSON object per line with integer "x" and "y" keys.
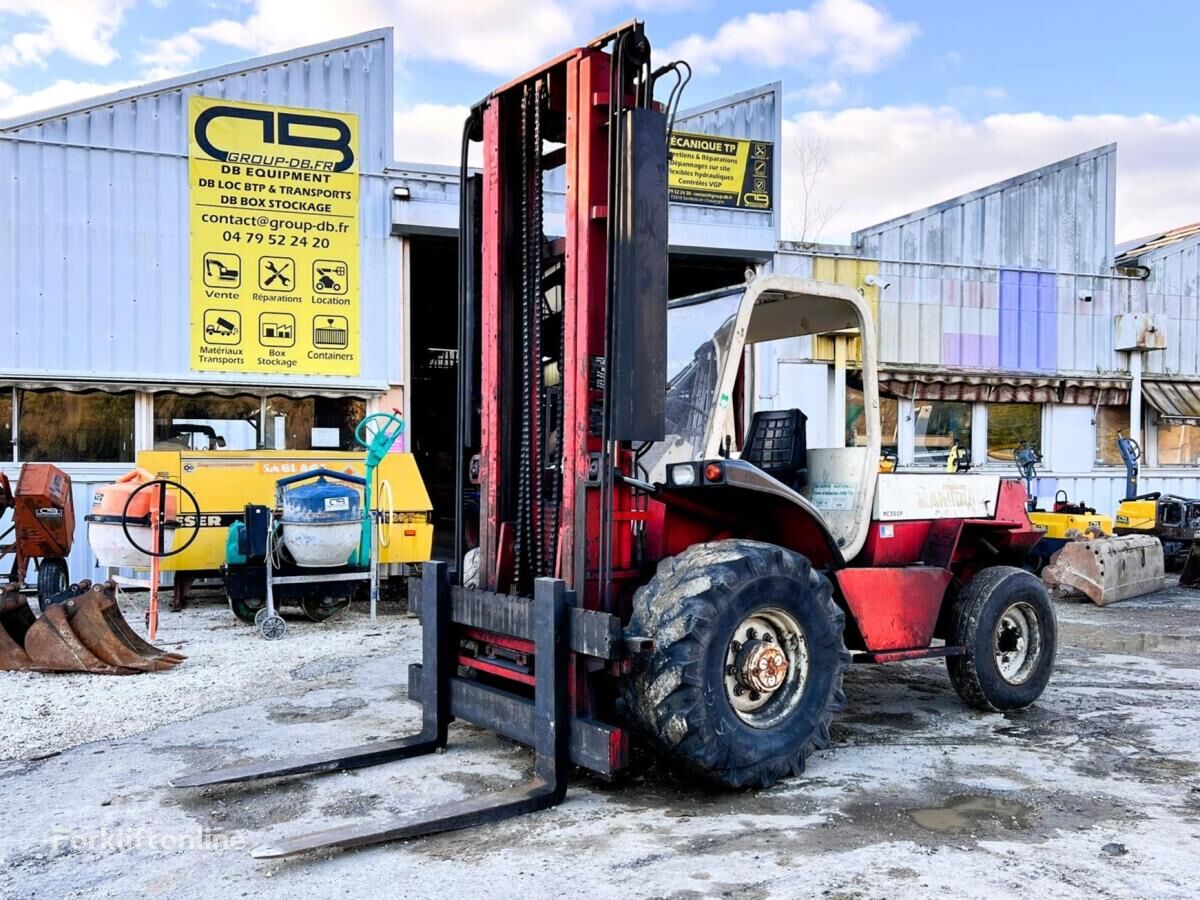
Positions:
{"x": 550, "y": 738}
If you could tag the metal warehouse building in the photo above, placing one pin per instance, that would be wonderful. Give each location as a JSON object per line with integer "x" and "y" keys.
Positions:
{"x": 1008, "y": 314}
{"x": 100, "y": 272}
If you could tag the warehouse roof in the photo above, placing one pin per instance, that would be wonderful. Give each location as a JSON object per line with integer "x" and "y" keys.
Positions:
{"x": 191, "y": 78}
{"x": 1130, "y": 251}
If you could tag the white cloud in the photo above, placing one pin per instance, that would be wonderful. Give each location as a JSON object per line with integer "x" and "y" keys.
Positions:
{"x": 849, "y": 35}
{"x": 429, "y": 133}
{"x": 501, "y": 37}
{"x": 889, "y": 161}
{"x": 82, "y": 29}
{"x": 821, "y": 95}
{"x": 59, "y": 93}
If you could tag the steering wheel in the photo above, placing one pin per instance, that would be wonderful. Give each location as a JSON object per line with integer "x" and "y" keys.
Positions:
{"x": 371, "y": 427}
{"x": 162, "y": 511}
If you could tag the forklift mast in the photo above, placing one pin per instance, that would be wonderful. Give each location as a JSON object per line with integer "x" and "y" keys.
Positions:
{"x": 568, "y": 319}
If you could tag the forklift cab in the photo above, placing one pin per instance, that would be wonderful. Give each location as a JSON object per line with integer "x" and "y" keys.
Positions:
{"x": 708, "y": 336}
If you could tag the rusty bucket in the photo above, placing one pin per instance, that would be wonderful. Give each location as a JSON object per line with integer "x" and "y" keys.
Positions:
{"x": 83, "y": 630}
{"x": 15, "y": 620}
{"x": 1107, "y": 570}
{"x": 96, "y": 618}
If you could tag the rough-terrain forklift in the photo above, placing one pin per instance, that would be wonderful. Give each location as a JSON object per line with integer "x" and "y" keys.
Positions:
{"x": 654, "y": 558}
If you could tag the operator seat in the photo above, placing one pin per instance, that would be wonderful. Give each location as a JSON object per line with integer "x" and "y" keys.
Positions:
{"x": 777, "y": 443}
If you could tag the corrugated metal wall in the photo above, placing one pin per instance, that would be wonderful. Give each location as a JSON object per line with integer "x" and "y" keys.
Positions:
{"x": 1173, "y": 291}
{"x": 94, "y": 231}
{"x": 1056, "y": 218}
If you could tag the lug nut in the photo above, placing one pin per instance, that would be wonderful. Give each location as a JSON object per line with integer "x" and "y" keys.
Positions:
{"x": 754, "y": 696}
{"x": 767, "y": 638}
{"x": 751, "y": 634}
{"x": 738, "y": 691}
{"x": 735, "y": 646}
{"x": 731, "y": 670}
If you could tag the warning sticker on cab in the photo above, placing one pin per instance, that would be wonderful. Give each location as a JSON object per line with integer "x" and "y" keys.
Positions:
{"x": 719, "y": 171}
{"x": 274, "y": 217}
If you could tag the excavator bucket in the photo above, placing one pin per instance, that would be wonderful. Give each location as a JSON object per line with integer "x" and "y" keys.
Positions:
{"x": 53, "y": 646}
{"x": 15, "y": 619}
{"x": 96, "y": 619}
{"x": 82, "y": 630}
{"x": 1108, "y": 569}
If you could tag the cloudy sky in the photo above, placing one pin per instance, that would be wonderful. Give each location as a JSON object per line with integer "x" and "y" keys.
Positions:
{"x": 912, "y": 101}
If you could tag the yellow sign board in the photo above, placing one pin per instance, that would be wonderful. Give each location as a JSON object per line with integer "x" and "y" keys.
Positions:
{"x": 711, "y": 170}
{"x": 274, "y": 238}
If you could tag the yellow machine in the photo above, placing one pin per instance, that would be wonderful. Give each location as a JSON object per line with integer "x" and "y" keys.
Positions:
{"x": 224, "y": 482}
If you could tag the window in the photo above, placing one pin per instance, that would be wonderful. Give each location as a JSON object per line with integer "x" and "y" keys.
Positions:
{"x": 59, "y": 426}
{"x": 1178, "y": 443}
{"x": 206, "y": 422}
{"x": 1008, "y": 424}
{"x": 938, "y": 424}
{"x": 856, "y": 422}
{"x": 313, "y": 423}
{"x": 1109, "y": 421}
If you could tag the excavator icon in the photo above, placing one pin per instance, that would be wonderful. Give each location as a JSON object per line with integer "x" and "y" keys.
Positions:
{"x": 222, "y": 270}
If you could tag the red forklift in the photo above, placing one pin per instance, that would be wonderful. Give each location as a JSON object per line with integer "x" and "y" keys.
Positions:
{"x": 656, "y": 558}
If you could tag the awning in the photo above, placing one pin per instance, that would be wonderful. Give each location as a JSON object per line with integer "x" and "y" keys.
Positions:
{"x": 1004, "y": 387}
{"x": 1174, "y": 400}
{"x": 223, "y": 389}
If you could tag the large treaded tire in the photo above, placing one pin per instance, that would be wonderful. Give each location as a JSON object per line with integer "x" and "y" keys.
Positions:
{"x": 977, "y": 677}
{"x": 677, "y": 696}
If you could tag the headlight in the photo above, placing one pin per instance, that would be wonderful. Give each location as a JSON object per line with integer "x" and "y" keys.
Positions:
{"x": 683, "y": 475}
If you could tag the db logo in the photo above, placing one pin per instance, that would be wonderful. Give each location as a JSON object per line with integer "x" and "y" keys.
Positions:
{"x": 277, "y": 128}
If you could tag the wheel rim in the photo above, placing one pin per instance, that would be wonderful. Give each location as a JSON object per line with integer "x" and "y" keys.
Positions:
{"x": 1017, "y": 643}
{"x": 766, "y": 667}
{"x": 272, "y": 628}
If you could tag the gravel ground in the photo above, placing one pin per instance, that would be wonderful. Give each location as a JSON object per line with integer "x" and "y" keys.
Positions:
{"x": 1095, "y": 792}
{"x": 227, "y": 664}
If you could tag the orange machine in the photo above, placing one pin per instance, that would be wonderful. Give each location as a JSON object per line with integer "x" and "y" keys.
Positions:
{"x": 43, "y": 523}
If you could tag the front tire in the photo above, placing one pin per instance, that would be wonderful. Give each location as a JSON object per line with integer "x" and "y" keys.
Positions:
{"x": 1005, "y": 619}
{"x": 747, "y": 666}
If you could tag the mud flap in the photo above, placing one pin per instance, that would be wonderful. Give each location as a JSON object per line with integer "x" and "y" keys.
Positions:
{"x": 1107, "y": 570}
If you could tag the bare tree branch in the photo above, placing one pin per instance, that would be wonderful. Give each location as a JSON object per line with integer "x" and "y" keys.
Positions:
{"x": 814, "y": 213}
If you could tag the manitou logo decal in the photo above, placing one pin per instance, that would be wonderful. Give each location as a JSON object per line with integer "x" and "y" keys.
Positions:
{"x": 279, "y": 128}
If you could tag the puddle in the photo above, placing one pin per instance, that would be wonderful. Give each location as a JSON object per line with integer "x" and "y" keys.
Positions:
{"x": 965, "y": 813}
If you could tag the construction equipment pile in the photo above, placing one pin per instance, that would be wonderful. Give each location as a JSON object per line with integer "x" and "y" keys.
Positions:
{"x": 81, "y": 630}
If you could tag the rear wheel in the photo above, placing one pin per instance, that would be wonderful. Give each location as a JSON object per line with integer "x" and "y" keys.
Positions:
{"x": 1005, "y": 619}
{"x": 747, "y": 668}
{"x": 246, "y": 610}
{"x": 318, "y": 609}
{"x": 52, "y": 578}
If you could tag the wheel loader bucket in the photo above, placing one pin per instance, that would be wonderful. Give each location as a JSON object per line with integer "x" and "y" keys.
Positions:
{"x": 1108, "y": 569}
{"x": 97, "y": 620}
